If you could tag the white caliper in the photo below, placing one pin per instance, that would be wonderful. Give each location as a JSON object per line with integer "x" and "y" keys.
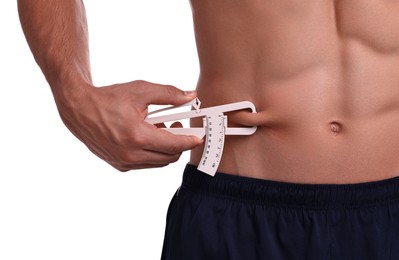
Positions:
{"x": 214, "y": 128}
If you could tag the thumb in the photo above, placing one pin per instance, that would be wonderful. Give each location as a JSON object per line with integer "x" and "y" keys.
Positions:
{"x": 158, "y": 94}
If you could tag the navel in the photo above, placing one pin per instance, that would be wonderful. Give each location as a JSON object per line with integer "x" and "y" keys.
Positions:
{"x": 335, "y": 128}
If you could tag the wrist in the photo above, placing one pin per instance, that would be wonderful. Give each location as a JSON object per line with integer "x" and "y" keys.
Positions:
{"x": 71, "y": 94}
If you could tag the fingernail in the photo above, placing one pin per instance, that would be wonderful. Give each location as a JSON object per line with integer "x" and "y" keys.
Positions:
{"x": 190, "y": 93}
{"x": 200, "y": 140}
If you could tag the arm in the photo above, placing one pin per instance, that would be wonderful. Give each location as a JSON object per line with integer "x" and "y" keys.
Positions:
{"x": 110, "y": 119}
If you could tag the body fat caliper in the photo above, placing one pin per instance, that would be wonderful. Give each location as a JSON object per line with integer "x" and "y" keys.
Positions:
{"x": 214, "y": 128}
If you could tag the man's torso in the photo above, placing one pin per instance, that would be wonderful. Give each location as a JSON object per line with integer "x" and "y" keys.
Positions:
{"x": 324, "y": 77}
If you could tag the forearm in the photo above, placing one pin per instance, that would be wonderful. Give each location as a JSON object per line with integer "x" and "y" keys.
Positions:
{"x": 57, "y": 35}
{"x": 110, "y": 119}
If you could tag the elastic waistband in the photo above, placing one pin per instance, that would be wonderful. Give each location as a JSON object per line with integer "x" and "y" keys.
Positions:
{"x": 273, "y": 193}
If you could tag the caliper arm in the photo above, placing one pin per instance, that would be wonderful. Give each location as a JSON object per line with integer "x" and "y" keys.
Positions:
{"x": 214, "y": 128}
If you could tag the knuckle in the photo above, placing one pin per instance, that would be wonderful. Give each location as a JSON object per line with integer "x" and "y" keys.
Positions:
{"x": 176, "y": 148}
{"x": 140, "y": 82}
{"x": 140, "y": 86}
{"x": 120, "y": 167}
{"x": 176, "y": 157}
{"x": 137, "y": 140}
{"x": 171, "y": 91}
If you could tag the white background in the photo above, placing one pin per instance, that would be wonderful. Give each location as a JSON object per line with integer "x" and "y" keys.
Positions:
{"x": 57, "y": 200}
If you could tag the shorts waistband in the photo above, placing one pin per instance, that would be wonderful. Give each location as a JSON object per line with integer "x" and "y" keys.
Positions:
{"x": 273, "y": 193}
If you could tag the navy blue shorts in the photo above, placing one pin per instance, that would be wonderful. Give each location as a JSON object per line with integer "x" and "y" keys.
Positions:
{"x": 238, "y": 218}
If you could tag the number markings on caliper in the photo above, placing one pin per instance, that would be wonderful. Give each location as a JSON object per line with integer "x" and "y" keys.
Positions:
{"x": 214, "y": 128}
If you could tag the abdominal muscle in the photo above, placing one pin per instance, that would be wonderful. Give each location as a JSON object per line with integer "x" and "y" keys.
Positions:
{"x": 325, "y": 84}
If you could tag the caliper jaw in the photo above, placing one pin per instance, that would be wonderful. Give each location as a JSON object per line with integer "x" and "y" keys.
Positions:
{"x": 214, "y": 128}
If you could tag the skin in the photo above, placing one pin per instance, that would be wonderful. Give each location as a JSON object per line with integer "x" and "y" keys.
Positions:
{"x": 56, "y": 32}
{"x": 323, "y": 76}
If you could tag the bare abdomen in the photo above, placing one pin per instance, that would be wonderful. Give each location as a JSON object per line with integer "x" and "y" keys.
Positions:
{"x": 326, "y": 124}
{"x": 326, "y": 91}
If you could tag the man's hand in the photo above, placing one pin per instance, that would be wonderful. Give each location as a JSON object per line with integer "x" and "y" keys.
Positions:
{"x": 110, "y": 121}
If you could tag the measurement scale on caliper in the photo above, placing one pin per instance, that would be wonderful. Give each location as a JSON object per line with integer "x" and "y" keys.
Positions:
{"x": 214, "y": 128}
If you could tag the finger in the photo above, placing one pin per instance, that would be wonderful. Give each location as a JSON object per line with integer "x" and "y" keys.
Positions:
{"x": 146, "y": 159}
{"x": 162, "y": 141}
{"x": 160, "y": 125}
{"x": 158, "y": 94}
{"x": 153, "y": 157}
{"x": 176, "y": 125}
{"x": 138, "y": 167}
